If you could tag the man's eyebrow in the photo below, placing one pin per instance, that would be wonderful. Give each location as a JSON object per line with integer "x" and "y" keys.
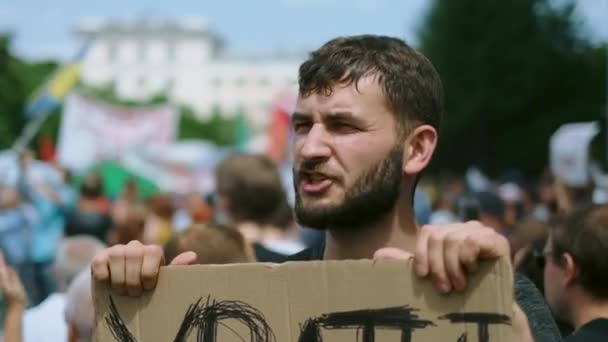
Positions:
{"x": 344, "y": 116}
{"x": 298, "y": 116}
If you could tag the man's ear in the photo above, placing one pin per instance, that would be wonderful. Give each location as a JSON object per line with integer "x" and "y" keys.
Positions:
{"x": 569, "y": 269}
{"x": 419, "y": 148}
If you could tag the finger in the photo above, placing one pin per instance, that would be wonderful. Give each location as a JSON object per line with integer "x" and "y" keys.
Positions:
{"x": 436, "y": 262}
{"x": 152, "y": 260}
{"x": 117, "y": 268}
{"x": 3, "y": 274}
{"x": 451, "y": 258}
{"x": 468, "y": 254}
{"x": 392, "y": 254}
{"x": 15, "y": 284}
{"x": 100, "y": 267}
{"x": 492, "y": 245}
{"x": 421, "y": 261}
{"x": 134, "y": 254}
{"x": 186, "y": 258}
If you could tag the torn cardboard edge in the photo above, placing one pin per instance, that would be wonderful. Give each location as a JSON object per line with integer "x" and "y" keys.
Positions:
{"x": 337, "y": 301}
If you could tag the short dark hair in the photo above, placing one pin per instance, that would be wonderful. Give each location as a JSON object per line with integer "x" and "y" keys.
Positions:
{"x": 212, "y": 243}
{"x": 410, "y": 83}
{"x": 583, "y": 234}
{"x": 252, "y": 185}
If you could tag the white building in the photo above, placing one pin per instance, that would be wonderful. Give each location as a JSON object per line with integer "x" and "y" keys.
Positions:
{"x": 185, "y": 60}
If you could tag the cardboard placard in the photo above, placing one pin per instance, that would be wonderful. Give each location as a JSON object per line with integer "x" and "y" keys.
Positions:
{"x": 336, "y": 301}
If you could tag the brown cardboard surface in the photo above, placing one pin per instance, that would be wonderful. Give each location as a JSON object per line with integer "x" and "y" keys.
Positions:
{"x": 331, "y": 301}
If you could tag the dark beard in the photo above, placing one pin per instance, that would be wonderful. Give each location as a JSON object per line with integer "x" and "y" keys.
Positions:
{"x": 372, "y": 196}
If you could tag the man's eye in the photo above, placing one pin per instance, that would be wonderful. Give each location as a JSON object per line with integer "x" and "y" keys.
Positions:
{"x": 301, "y": 127}
{"x": 343, "y": 127}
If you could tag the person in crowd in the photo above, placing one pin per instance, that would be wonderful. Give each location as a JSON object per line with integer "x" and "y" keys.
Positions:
{"x": 51, "y": 207}
{"x": 92, "y": 195}
{"x": 249, "y": 195}
{"x": 92, "y": 214}
{"x": 212, "y": 243}
{"x": 14, "y": 294}
{"x": 365, "y": 126}
{"x": 576, "y": 272}
{"x": 128, "y": 226}
{"x": 192, "y": 208}
{"x": 527, "y": 242}
{"x": 44, "y": 322}
{"x": 17, "y": 220}
{"x": 79, "y": 313}
{"x": 450, "y": 189}
{"x": 158, "y": 225}
{"x": 126, "y": 203}
{"x": 512, "y": 196}
{"x": 491, "y": 211}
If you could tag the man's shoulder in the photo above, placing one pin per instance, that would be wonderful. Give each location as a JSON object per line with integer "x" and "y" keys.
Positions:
{"x": 596, "y": 330}
{"x": 533, "y": 304}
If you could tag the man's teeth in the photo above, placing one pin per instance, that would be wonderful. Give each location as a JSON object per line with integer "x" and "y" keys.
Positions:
{"x": 316, "y": 178}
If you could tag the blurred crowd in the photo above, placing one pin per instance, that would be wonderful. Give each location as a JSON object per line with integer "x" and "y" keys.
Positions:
{"x": 49, "y": 233}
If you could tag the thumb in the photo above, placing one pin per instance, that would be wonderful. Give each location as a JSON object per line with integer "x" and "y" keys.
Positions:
{"x": 390, "y": 253}
{"x": 186, "y": 258}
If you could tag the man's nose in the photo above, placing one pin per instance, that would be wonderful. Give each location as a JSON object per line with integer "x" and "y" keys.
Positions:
{"x": 316, "y": 143}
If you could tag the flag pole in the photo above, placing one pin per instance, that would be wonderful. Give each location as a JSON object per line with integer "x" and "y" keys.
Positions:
{"x": 39, "y": 116}
{"x": 29, "y": 131}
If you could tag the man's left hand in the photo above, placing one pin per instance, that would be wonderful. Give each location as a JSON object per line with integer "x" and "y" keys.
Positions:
{"x": 446, "y": 253}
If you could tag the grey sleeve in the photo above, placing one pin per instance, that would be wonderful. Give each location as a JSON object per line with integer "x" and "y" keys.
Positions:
{"x": 533, "y": 304}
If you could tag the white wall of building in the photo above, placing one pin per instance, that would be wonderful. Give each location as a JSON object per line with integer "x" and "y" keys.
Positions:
{"x": 143, "y": 60}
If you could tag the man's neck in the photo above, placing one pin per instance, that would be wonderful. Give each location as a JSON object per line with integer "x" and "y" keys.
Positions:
{"x": 397, "y": 229}
{"x": 585, "y": 309}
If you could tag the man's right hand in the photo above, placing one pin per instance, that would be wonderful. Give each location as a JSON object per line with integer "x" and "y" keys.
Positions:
{"x": 130, "y": 269}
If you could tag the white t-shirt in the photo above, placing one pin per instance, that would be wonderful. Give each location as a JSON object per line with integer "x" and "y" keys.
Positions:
{"x": 46, "y": 322}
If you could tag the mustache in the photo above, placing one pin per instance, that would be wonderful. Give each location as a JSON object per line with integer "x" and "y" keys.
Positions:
{"x": 312, "y": 167}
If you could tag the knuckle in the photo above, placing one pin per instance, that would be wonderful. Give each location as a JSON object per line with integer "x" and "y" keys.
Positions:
{"x": 427, "y": 229}
{"x": 470, "y": 241}
{"x": 100, "y": 259}
{"x": 453, "y": 238}
{"x": 153, "y": 250}
{"x": 116, "y": 252}
{"x": 437, "y": 237}
{"x": 133, "y": 252}
{"x": 474, "y": 224}
{"x": 134, "y": 243}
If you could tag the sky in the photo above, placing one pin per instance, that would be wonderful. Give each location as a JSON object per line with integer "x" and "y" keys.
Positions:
{"x": 45, "y": 28}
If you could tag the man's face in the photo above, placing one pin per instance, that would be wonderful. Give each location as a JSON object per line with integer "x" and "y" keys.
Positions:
{"x": 553, "y": 279}
{"x": 348, "y": 157}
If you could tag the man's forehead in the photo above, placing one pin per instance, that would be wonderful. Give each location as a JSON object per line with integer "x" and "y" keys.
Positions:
{"x": 342, "y": 97}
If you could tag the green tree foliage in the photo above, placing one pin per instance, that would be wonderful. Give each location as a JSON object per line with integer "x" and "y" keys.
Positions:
{"x": 219, "y": 129}
{"x": 18, "y": 80}
{"x": 513, "y": 72}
